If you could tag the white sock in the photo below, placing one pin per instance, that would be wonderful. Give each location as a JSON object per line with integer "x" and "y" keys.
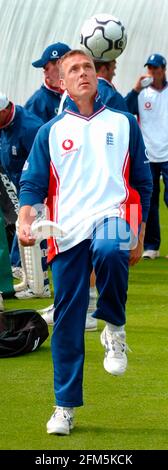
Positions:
{"x": 93, "y": 293}
{"x": 92, "y": 300}
{"x": 115, "y": 327}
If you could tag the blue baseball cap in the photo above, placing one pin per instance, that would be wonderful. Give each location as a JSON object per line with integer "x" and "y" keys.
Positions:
{"x": 156, "y": 60}
{"x": 52, "y": 52}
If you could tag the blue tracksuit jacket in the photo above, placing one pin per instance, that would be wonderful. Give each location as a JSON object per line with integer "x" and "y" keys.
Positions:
{"x": 16, "y": 140}
{"x": 44, "y": 103}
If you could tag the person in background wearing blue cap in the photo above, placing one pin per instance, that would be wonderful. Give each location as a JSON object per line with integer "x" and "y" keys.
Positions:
{"x": 45, "y": 101}
{"x": 149, "y": 101}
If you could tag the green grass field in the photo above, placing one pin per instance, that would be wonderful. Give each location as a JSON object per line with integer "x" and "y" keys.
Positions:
{"x": 129, "y": 412}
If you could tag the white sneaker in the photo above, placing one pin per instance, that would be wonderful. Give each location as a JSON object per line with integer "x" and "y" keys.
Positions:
{"x": 48, "y": 314}
{"x": 1, "y": 303}
{"x": 150, "y": 254}
{"x": 28, "y": 294}
{"x": 91, "y": 322}
{"x": 61, "y": 422}
{"x": 17, "y": 272}
{"x": 115, "y": 361}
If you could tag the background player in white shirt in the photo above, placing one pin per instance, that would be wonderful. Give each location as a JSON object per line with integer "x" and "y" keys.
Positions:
{"x": 150, "y": 104}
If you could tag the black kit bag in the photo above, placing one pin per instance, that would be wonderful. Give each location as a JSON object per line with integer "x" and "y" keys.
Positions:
{"x": 21, "y": 332}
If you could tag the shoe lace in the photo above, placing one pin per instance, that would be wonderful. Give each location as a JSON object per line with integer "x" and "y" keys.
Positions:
{"x": 118, "y": 344}
{"x": 17, "y": 272}
{"x": 63, "y": 413}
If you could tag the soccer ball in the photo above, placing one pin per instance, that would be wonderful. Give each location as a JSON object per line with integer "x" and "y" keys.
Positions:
{"x": 103, "y": 37}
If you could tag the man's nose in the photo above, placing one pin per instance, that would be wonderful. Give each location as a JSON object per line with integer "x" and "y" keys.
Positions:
{"x": 82, "y": 71}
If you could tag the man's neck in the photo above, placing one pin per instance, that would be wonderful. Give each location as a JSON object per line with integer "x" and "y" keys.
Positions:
{"x": 103, "y": 77}
{"x": 85, "y": 106}
{"x": 159, "y": 84}
{"x": 52, "y": 88}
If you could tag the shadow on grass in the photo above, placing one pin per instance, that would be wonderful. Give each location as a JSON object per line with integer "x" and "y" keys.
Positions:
{"x": 98, "y": 430}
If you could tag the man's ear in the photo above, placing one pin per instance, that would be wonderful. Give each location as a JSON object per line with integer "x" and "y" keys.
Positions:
{"x": 62, "y": 84}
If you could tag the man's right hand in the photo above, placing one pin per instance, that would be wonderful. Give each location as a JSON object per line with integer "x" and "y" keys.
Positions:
{"x": 25, "y": 235}
{"x": 26, "y": 217}
{"x": 138, "y": 86}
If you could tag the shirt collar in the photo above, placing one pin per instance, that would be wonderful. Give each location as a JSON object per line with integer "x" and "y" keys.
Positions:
{"x": 71, "y": 105}
{"x": 52, "y": 88}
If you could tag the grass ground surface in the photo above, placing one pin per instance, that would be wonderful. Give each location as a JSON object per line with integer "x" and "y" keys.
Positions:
{"x": 129, "y": 412}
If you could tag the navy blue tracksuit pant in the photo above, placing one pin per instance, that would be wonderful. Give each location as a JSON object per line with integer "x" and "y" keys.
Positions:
{"x": 152, "y": 236}
{"x": 108, "y": 253}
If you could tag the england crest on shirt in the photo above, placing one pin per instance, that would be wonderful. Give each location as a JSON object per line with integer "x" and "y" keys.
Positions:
{"x": 14, "y": 151}
{"x": 109, "y": 138}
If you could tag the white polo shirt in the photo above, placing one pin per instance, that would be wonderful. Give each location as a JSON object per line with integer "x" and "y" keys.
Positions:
{"x": 153, "y": 119}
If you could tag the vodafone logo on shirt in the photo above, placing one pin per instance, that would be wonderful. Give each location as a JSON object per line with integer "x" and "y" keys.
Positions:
{"x": 148, "y": 105}
{"x": 67, "y": 144}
